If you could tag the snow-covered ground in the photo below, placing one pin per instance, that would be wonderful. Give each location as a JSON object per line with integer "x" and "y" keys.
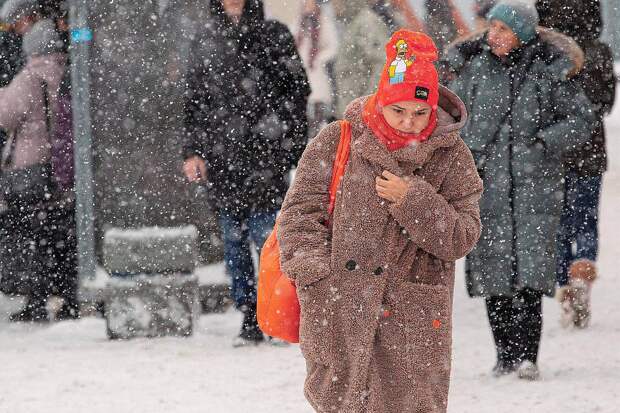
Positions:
{"x": 71, "y": 367}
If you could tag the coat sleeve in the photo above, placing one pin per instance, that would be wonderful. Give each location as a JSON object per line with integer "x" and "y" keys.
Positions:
{"x": 573, "y": 115}
{"x": 458, "y": 55}
{"x": 303, "y": 233}
{"x": 196, "y": 103}
{"x": 444, "y": 223}
{"x": 293, "y": 89}
{"x": 16, "y": 100}
{"x": 605, "y": 66}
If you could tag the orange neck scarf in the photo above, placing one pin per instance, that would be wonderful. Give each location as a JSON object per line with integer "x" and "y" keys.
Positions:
{"x": 390, "y": 137}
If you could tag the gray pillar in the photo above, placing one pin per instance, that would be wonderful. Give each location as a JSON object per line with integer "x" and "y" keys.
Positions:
{"x": 611, "y": 18}
{"x": 81, "y": 37}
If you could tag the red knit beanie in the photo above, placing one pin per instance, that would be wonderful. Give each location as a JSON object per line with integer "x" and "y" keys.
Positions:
{"x": 409, "y": 72}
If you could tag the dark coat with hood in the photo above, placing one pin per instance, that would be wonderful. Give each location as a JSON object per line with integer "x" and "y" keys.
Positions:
{"x": 525, "y": 114}
{"x": 11, "y": 59}
{"x": 376, "y": 290}
{"x": 245, "y": 111}
{"x": 581, "y": 20}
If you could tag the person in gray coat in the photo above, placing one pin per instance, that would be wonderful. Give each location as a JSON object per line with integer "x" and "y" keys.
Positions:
{"x": 524, "y": 115}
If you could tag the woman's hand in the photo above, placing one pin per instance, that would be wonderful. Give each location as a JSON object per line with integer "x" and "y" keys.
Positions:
{"x": 392, "y": 187}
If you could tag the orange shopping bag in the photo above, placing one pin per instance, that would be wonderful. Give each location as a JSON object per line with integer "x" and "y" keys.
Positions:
{"x": 278, "y": 306}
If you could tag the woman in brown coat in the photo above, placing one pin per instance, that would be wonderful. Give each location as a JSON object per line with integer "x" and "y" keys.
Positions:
{"x": 376, "y": 286}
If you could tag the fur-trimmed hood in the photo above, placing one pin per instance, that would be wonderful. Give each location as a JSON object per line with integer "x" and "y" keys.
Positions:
{"x": 566, "y": 53}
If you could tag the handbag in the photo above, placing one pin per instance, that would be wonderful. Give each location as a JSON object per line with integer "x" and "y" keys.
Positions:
{"x": 278, "y": 308}
{"x": 32, "y": 184}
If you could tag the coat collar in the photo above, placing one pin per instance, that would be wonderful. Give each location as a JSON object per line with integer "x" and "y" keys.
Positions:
{"x": 566, "y": 53}
{"x": 365, "y": 144}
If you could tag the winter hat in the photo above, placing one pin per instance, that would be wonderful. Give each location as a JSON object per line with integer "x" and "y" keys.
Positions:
{"x": 13, "y": 10}
{"x": 41, "y": 39}
{"x": 409, "y": 72}
{"x": 409, "y": 75}
{"x": 520, "y": 16}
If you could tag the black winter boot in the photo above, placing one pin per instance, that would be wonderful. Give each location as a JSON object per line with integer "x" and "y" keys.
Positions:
{"x": 70, "y": 310}
{"x": 250, "y": 332}
{"x": 503, "y": 368}
{"x": 33, "y": 311}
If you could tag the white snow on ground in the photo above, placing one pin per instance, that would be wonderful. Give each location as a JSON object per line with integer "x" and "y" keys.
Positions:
{"x": 71, "y": 367}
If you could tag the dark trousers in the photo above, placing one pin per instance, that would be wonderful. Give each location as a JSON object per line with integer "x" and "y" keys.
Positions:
{"x": 239, "y": 229}
{"x": 38, "y": 252}
{"x": 578, "y": 232}
{"x": 63, "y": 239}
{"x": 516, "y": 324}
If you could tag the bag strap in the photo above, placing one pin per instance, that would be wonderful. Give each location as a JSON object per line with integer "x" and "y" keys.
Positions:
{"x": 340, "y": 163}
{"x": 48, "y": 112}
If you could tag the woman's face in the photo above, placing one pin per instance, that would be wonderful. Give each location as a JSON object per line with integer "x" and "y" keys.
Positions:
{"x": 502, "y": 40}
{"x": 233, "y": 8}
{"x": 407, "y": 116}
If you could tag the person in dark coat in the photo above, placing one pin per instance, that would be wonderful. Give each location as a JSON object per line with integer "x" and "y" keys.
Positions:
{"x": 10, "y": 54}
{"x": 585, "y": 165}
{"x": 28, "y": 230}
{"x": 246, "y": 124}
{"x": 526, "y": 114}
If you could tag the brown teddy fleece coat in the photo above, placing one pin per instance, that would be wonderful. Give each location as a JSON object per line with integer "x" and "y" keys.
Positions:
{"x": 376, "y": 290}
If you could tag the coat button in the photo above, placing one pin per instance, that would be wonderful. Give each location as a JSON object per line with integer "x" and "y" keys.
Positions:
{"x": 351, "y": 265}
{"x": 378, "y": 271}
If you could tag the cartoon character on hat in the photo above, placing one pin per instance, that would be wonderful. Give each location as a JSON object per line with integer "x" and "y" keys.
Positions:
{"x": 399, "y": 65}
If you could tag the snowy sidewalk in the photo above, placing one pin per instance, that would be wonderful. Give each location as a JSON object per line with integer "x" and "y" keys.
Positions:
{"x": 71, "y": 367}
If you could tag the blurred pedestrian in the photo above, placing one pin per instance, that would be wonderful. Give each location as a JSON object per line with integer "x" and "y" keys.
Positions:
{"x": 360, "y": 56}
{"x": 317, "y": 41}
{"x": 246, "y": 128}
{"x": 20, "y": 15}
{"x": 16, "y": 17}
{"x": 525, "y": 115}
{"x": 10, "y": 54}
{"x": 27, "y": 110}
{"x": 375, "y": 285}
{"x": 406, "y": 11}
{"x": 584, "y": 165}
{"x": 444, "y": 22}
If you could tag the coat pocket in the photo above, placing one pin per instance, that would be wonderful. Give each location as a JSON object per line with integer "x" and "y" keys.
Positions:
{"x": 426, "y": 312}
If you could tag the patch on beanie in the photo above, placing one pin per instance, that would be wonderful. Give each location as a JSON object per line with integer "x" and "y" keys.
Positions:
{"x": 398, "y": 66}
{"x": 421, "y": 93}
